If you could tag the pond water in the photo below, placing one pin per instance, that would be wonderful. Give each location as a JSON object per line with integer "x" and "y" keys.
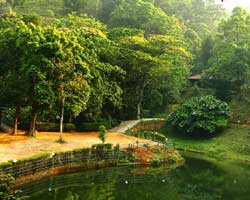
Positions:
{"x": 197, "y": 179}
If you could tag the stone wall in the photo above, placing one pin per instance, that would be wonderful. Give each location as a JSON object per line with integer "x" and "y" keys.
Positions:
{"x": 45, "y": 162}
{"x": 149, "y": 126}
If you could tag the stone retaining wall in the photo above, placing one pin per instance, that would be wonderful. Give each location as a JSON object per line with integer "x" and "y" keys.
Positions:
{"x": 149, "y": 126}
{"x": 42, "y": 163}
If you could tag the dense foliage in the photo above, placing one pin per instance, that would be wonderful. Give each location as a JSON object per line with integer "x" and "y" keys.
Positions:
{"x": 98, "y": 60}
{"x": 201, "y": 116}
{"x": 6, "y": 186}
{"x": 102, "y": 133}
{"x": 229, "y": 62}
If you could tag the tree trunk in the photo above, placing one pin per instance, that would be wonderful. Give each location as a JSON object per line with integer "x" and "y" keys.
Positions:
{"x": 15, "y": 122}
{"x": 1, "y": 116}
{"x": 70, "y": 118}
{"x": 34, "y": 114}
{"x": 61, "y": 118}
{"x": 140, "y": 92}
{"x": 97, "y": 7}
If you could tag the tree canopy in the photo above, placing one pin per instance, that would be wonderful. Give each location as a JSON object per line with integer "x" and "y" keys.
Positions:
{"x": 96, "y": 60}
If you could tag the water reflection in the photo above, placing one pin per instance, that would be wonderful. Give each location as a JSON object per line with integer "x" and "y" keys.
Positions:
{"x": 196, "y": 180}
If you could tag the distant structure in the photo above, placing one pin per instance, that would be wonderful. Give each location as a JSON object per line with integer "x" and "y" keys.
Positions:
{"x": 196, "y": 77}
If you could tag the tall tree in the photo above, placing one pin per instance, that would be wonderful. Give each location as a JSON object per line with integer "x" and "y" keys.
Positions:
{"x": 148, "y": 63}
{"x": 13, "y": 81}
{"x": 71, "y": 74}
{"x": 144, "y": 15}
{"x": 106, "y": 78}
{"x": 77, "y": 6}
{"x": 230, "y": 56}
{"x": 201, "y": 16}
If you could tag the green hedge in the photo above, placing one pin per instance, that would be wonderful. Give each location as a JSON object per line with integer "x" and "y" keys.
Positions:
{"x": 94, "y": 126}
{"x": 147, "y": 122}
{"x": 49, "y": 127}
{"x": 154, "y": 136}
{"x": 85, "y": 126}
{"x": 54, "y": 127}
{"x": 107, "y": 146}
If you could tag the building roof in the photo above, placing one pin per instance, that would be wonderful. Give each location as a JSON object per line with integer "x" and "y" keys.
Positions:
{"x": 195, "y": 77}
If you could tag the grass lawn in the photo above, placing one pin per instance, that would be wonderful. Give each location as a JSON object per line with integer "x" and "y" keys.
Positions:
{"x": 232, "y": 143}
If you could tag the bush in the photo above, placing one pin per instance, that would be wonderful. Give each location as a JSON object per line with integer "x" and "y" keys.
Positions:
{"x": 92, "y": 126}
{"x": 101, "y": 151}
{"x": 102, "y": 133}
{"x": 6, "y": 186}
{"x": 155, "y": 162}
{"x": 155, "y": 136}
{"x": 31, "y": 133}
{"x": 54, "y": 127}
{"x": 133, "y": 158}
{"x": 107, "y": 146}
{"x": 200, "y": 116}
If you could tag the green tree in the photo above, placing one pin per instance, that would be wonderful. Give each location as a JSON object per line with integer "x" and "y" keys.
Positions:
{"x": 151, "y": 64}
{"x": 69, "y": 71}
{"x": 230, "y": 61}
{"x": 55, "y": 67}
{"x": 144, "y": 15}
{"x": 6, "y": 187}
{"x": 102, "y": 133}
{"x": 107, "y": 7}
{"x": 106, "y": 92}
{"x": 14, "y": 85}
{"x": 201, "y": 116}
{"x": 201, "y": 16}
{"x": 77, "y": 6}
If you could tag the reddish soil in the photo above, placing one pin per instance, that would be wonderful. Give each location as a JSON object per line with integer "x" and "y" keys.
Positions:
{"x": 145, "y": 154}
{"x": 20, "y": 146}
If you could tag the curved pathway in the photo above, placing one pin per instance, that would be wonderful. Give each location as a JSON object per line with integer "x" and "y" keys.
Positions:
{"x": 125, "y": 125}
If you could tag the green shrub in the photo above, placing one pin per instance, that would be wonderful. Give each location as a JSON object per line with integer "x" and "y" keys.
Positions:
{"x": 69, "y": 127}
{"x": 155, "y": 136}
{"x": 201, "y": 116}
{"x": 54, "y": 127}
{"x": 6, "y": 186}
{"x": 132, "y": 158}
{"x": 92, "y": 126}
{"x": 72, "y": 196}
{"x": 102, "y": 133}
{"x": 31, "y": 133}
{"x": 171, "y": 159}
{"x": 123, "y": 160}
{"x": 155, "y": 162}
{"x": 101, "y": 151}
{"x": 107, "y": 146}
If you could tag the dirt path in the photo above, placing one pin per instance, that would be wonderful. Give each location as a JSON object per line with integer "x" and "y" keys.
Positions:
{"x": 20, "y": 146}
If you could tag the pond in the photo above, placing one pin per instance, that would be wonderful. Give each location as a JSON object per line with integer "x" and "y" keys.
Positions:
{"x": 197, "y": 179}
